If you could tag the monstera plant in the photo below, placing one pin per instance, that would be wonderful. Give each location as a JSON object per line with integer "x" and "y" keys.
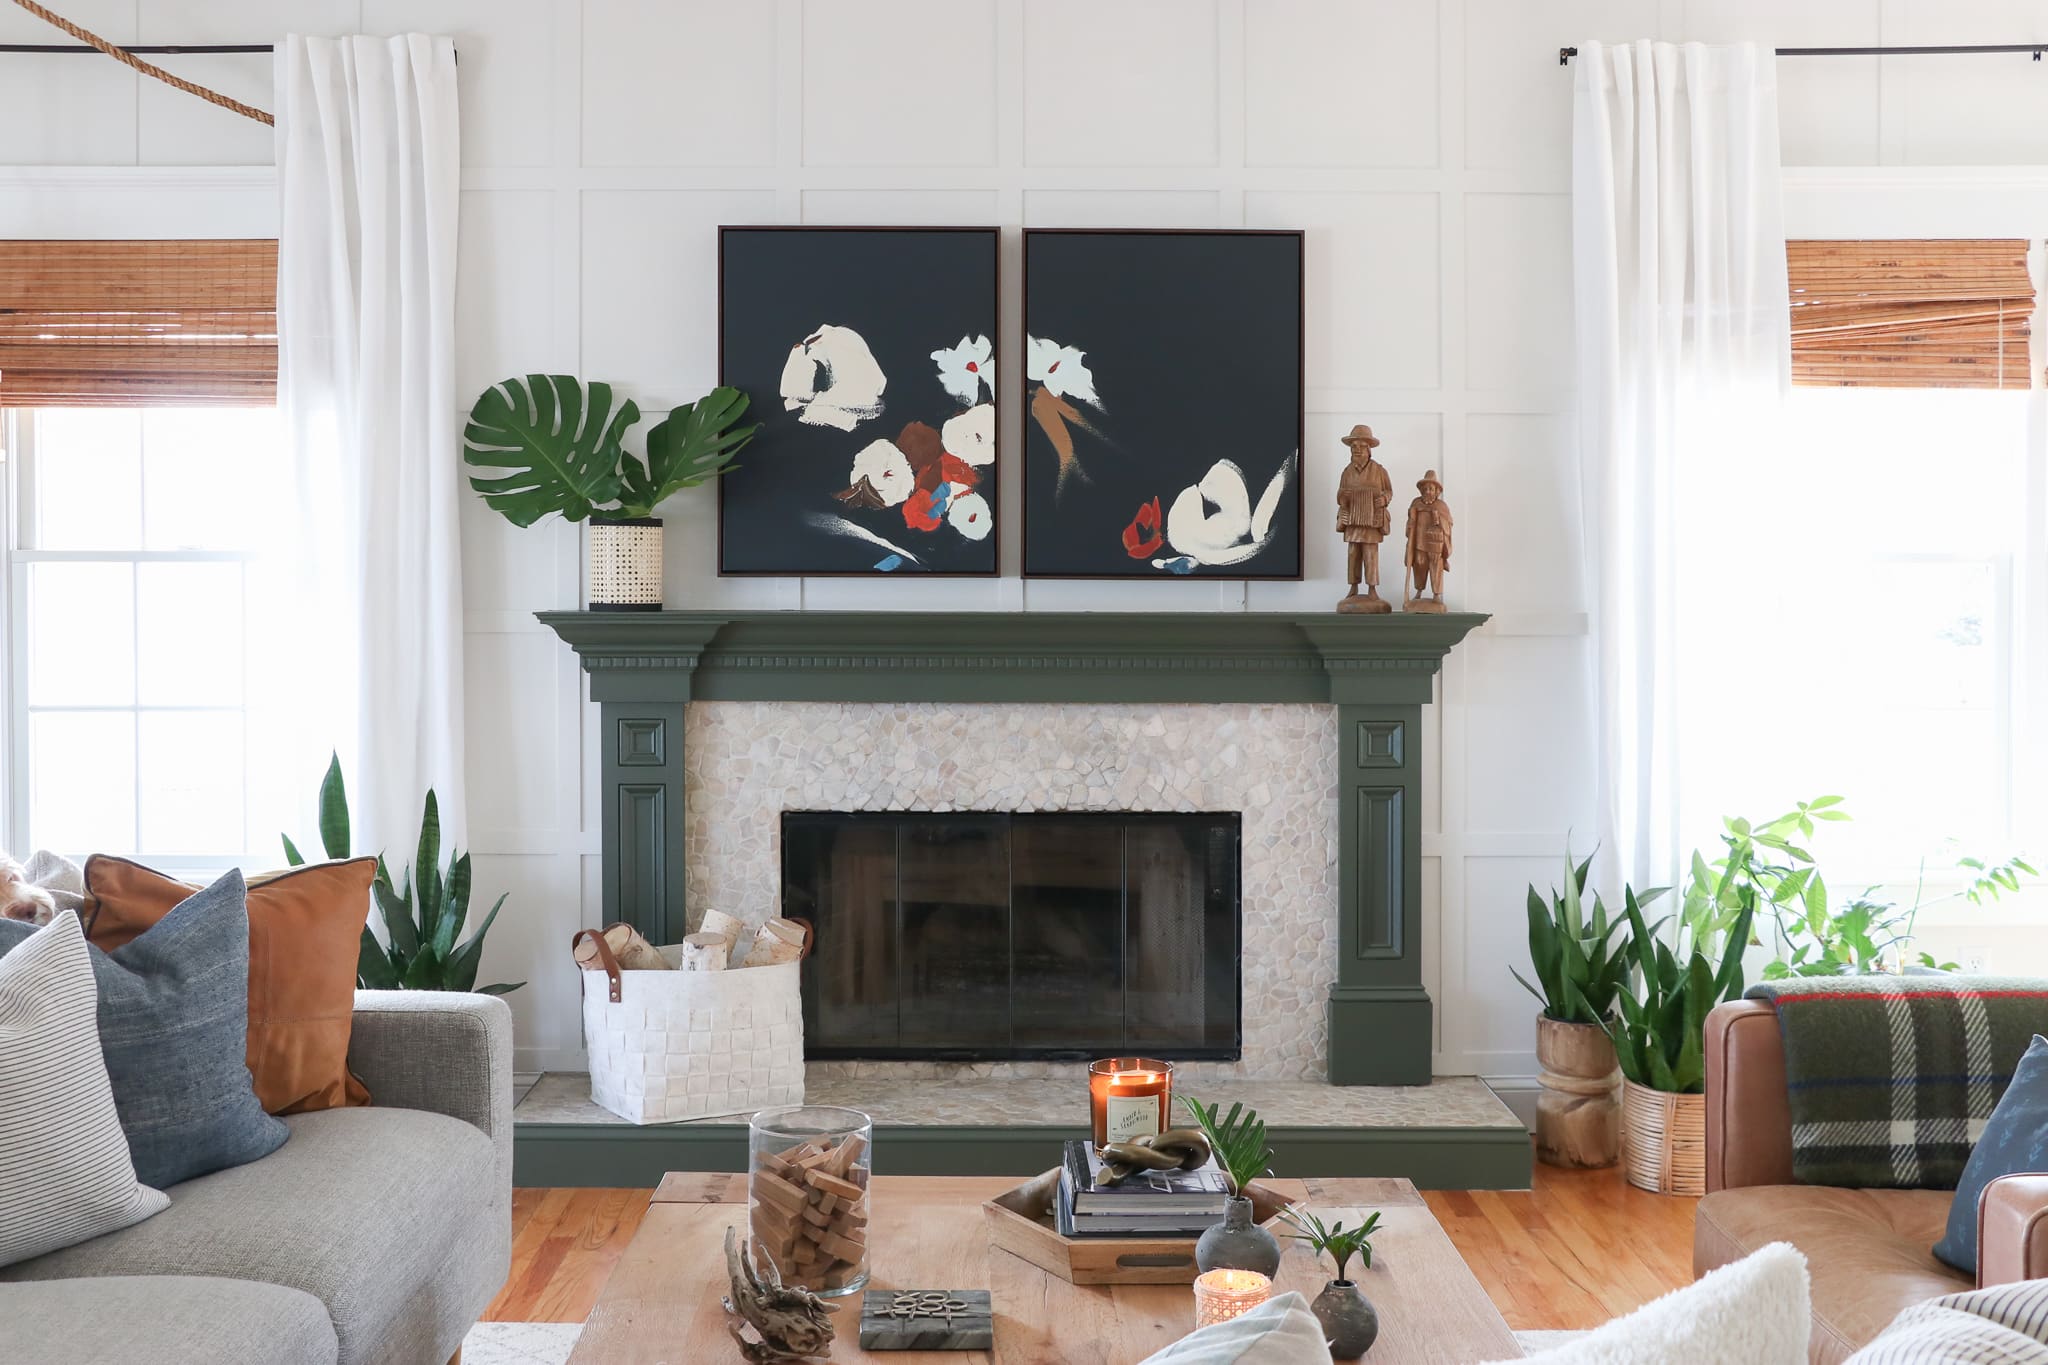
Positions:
{"x": 564, "y": 446}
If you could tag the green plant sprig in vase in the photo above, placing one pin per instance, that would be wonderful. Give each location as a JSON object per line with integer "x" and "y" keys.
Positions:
{"x": 1237, "y": 1140}
{"x": 419, "y": 951}
{"x": 1350, "y": 1323}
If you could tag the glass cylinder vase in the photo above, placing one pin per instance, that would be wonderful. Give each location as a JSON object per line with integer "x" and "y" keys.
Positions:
{"x": 807, "y": 1194}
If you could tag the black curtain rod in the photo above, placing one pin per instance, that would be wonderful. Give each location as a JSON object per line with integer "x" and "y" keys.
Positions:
{"x": 1565, "y": 54}
{"x": 168, "y": 50}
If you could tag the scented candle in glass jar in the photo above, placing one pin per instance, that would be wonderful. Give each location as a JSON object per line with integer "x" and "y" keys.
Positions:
{"x": 807, "y": 1194}
{"x": 1129, "y": 1098}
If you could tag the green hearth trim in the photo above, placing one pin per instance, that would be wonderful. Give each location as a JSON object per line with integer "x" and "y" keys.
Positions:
{"x": 1377, "y": 670}
{"x": 616, "y": 1155}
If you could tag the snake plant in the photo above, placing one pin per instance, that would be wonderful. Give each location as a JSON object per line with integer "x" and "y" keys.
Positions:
{"x": 1660, "y": 1038}
{"x": 421, "y": 917}
{"x": 1581, "y": 972}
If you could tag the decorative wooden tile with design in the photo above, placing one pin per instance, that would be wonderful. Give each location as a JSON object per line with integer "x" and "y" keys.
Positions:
{"x": 927, "y": 1320}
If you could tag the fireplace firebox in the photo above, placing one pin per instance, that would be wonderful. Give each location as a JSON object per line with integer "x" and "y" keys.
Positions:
{"x": 1007, "y": 937}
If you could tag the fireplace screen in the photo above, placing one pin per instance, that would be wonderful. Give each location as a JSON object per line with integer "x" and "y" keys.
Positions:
{"x": 985, "y": 937}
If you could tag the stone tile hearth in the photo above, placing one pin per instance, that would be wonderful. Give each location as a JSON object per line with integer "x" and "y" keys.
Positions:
{"x": 1062, "y": 1102}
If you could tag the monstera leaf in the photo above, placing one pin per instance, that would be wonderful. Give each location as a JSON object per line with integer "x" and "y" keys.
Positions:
{"x": 694, "y": 443}
{"x": 561, "y": 442}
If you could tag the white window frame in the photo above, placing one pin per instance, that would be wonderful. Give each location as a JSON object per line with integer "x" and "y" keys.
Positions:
{"x": 1991, "y": 201}
{"x": 17, "y": 430}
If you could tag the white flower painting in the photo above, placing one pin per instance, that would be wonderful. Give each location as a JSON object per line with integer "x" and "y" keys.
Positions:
{"x": 971, "y": 437}
{"x": 831, "y": 379}
{"x": 882, "y": 344}
{"x": 1061, "y": 369}
{"x": 1236, "y": 530}
{"x": 966, "y": 368}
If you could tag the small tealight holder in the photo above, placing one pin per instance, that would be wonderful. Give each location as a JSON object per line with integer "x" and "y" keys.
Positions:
{"x": 1221, "y": 1295}
{"x": 1129, "y": 1097}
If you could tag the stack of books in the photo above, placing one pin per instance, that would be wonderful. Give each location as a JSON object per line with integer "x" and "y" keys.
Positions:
{"x": 1144, "y": 1204}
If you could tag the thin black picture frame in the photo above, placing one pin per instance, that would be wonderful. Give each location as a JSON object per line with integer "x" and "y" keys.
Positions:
{"x": 994, "y": 491}
{"x": 1022, "y": 419}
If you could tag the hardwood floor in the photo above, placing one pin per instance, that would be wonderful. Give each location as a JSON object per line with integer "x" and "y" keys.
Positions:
{"x": 1580, "y": 1248}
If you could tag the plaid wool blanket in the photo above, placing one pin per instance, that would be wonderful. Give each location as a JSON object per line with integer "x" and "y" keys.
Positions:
{"x": 1892, "y": 1077}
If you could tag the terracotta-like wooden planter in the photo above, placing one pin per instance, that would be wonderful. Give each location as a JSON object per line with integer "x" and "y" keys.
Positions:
{"x": 1578, "y": 1111}
{"x": 1666, "y": 1140}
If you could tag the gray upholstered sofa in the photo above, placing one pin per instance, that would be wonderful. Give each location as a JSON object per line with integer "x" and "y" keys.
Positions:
{"x": 372, "y": 1235}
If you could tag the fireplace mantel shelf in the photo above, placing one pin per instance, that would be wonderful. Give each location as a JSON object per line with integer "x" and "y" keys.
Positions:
{"x": 645, "y": 667}
{"x": 1010, "y": 656}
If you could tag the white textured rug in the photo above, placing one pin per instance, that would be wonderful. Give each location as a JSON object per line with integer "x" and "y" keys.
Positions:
{"x": 520, "y": 1343}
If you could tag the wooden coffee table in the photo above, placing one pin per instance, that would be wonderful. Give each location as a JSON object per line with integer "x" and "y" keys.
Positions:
{"x": 927, "y": 1232}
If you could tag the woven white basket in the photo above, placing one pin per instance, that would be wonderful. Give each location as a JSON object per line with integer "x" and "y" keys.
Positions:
{"x": 625, "y": 564}
{"x": 667, "y": 1046}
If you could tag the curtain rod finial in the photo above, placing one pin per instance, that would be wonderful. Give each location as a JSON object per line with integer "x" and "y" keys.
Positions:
{"x": 1565, "y": 55}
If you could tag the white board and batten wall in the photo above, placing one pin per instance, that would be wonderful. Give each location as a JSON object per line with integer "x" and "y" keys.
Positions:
{"x": 1424, "y": 146}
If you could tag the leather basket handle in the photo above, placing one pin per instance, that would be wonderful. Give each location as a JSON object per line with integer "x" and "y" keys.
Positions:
{"x": 604, "y": 956}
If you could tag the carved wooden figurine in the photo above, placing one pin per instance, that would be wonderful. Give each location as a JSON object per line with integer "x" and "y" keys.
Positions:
{"x": 1429, "y": 545}
{"x": 1364, "y": 493}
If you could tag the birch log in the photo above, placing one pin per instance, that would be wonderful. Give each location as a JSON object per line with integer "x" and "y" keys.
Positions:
{"x": 727, "y": 927}
{"x": 779, "y": 940}
{"x": 633, "y": 952}
{"x": 705, "y": 953}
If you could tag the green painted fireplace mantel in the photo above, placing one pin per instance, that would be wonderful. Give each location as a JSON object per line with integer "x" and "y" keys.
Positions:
{"x": 1376, "y": 670}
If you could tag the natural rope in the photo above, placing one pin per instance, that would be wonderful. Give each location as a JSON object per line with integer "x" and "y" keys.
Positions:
{"x": 146, "y": 68}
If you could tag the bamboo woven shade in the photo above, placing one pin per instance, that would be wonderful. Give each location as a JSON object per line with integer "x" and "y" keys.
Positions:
{"x": 137, "y": 324}
{"x": 1945, "y": 313}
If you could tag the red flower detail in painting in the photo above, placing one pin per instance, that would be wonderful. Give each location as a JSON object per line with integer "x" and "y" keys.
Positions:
{"x": 953, "y": 469}
{"x": 1142, "y": 537}
{"x": 917, "y": 511}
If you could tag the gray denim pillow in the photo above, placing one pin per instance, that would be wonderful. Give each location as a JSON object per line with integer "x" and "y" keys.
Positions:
{"x": 174, "y": 1027}
{"x": 2015, "y": 1141}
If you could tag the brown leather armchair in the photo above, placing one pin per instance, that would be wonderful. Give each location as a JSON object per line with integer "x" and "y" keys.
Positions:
{"x": 1867, "y": 1250}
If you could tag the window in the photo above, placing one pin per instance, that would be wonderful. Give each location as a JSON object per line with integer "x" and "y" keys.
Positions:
{"x": 137, "y": 390}
{"x": 130, "y": 664}
{"x": 1861, "y": 601}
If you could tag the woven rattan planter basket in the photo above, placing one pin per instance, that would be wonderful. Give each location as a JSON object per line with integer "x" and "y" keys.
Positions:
{"x": 1664, "y": 1140}
{"x": 625, "y": 563}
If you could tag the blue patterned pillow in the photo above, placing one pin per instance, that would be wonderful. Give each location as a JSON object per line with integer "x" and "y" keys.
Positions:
{"x": 2015, "y": 1140}
{"x": 174, "y": 1026}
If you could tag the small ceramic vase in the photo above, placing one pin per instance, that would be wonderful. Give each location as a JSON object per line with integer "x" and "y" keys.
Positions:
{"x": 1349, "y": 1322}
{"x": 1237, "y": 1243}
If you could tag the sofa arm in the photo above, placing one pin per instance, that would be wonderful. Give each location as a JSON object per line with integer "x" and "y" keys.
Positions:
{"x": 442, "y": 1051}
{"x": 2012, "y": 1230}
{"x": 1749, "y": 1118}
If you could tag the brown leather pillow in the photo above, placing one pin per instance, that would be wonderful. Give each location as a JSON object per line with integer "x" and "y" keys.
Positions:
{"x": 305, "y": 929}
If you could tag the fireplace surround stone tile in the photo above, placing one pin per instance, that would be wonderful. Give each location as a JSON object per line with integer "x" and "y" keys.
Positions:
{"x": 745, "y": 763}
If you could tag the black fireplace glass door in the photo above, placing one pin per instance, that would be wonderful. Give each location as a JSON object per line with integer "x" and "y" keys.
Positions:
{"x": 1035, "y": 936}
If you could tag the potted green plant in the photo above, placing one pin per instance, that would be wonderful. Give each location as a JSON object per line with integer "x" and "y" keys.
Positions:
{"x": 1660, "y": 1038}
{"x": 1350, "y": 1323}
{"x": 1581, "y": 971}
{"x": 565, "y": 449}
{"x": 422, "y": 915}
{"x": 1238, "y": 1141}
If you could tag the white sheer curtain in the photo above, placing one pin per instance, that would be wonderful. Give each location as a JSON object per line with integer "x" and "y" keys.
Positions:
{"x": 371, "y": 637}
{"x": 1678, "y": 246}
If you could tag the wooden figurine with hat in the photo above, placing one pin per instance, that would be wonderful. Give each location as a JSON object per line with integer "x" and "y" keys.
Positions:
{"x": 1364, "y": 493}
{"x": 1429, "y": 545}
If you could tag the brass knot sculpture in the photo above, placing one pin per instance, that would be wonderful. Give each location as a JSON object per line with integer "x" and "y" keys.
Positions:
{"x": 1176, "y": 1149}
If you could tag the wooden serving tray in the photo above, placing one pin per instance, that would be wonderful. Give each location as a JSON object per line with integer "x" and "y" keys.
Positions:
{"x": 1020, "y": 1221}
